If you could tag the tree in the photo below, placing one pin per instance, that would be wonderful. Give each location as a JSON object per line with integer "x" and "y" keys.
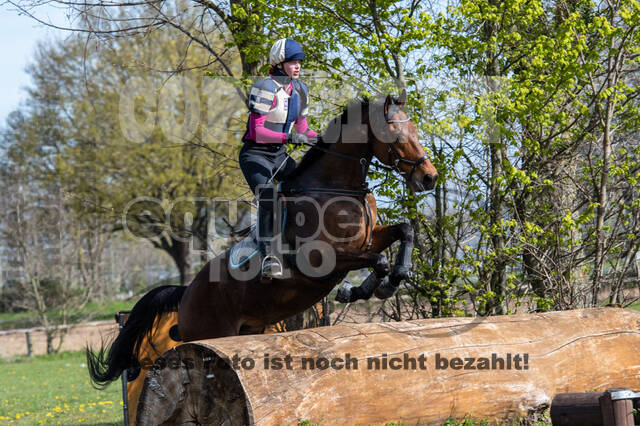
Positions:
{"x": 136, "y": 172}
{"x": 44, "y": 247}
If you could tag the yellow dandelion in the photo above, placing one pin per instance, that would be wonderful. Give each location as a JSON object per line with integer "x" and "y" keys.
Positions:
{"x": 80, "y": 420}
{"x": 57, "y": 410}
{"x": 49, "y": 414}
{"x": 105, "y": 402}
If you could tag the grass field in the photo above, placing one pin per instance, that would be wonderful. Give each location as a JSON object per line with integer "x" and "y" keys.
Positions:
{"x": 93, "y": 311}
{"x": 55, "y": 389}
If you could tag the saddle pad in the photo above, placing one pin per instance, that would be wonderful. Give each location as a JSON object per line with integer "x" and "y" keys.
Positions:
{"x": 243, "y": 250}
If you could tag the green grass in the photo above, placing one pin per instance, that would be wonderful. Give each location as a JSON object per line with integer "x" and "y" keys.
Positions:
{"x": 635, "y": 306}
{"x": 94, "y": 311}
{"x": 55, "y": 389}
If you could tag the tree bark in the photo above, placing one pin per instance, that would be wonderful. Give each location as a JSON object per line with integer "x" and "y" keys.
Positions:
{"x": 497, "y": 276}
{"x": 180, "y": 253}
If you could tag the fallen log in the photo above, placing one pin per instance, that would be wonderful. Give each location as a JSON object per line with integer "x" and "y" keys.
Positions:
{"x": 425, "y": 371}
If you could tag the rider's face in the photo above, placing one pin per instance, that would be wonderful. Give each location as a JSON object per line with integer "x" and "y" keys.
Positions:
{"x": 292, "y": 68}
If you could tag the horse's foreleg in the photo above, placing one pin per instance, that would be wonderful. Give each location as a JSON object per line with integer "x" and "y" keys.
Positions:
{"x": 383, "y": 237}
{"x": 402, "y": 265}
{"x": 352, "y": 259}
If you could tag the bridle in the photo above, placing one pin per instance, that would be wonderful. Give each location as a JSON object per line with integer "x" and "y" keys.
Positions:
{"x": 395, "y": 159}
{"x": 364, "y": 164}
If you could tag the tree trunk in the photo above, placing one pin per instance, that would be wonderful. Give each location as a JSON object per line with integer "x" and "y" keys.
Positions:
{"x": 180, "y": 253}
{"x": 497, "y": 276}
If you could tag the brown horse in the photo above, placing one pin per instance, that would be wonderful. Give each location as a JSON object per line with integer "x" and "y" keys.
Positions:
{"x": 329, "y": 230}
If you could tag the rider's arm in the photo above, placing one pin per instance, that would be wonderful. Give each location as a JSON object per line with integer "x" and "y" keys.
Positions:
{"x": 301, "y": 126}
{"x": 262, "y": 134}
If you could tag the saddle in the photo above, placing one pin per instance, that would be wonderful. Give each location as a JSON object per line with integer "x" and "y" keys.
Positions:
{"x": 245, "y": 249}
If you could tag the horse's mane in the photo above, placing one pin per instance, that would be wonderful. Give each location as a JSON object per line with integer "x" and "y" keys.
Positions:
{"x": 313, "y": 155}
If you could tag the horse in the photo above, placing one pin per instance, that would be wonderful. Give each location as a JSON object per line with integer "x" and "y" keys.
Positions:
{"x": 328, "y": 229}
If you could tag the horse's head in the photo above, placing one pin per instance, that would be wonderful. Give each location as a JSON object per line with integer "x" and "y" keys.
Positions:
{"x": 396, "y": 143}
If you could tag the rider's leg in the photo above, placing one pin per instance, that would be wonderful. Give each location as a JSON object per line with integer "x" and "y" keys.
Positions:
{"x": 257, "y": 168}
{"x": 271, "y": 265}
{"x": 268, "y": 218}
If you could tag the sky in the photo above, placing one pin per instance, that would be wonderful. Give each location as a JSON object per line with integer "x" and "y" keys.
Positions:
{"x": 18, "y": 38}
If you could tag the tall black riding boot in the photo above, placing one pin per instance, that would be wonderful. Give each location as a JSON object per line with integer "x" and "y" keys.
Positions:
{"x": 271, "y": 266}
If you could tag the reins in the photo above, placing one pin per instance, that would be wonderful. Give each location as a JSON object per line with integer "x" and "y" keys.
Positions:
{"x": 394, "y": 158}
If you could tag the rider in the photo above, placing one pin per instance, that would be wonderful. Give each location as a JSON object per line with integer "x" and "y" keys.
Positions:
{"x": 275, "y": 104}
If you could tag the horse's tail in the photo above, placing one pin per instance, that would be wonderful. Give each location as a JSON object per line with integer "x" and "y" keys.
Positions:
{"x": 107, "y": 364}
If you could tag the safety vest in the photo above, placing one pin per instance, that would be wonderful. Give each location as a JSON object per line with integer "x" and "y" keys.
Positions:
{"x": 269, "y": 97}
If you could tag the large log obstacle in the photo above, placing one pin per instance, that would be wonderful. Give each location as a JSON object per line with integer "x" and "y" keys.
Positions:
{"x": 417, "y": 371}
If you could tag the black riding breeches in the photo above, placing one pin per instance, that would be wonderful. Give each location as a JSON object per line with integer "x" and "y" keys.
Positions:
{"x": 259, "y": 163}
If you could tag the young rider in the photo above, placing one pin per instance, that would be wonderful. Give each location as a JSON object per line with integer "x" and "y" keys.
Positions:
{"x": 276, "y": 104}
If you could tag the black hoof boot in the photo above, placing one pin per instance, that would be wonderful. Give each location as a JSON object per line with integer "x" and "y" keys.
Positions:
{"x": 385, "y": 290}
{"x": 345, "y": 293}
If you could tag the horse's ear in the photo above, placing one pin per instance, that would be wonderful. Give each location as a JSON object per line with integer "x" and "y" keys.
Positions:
{"x": 402, "y": 99}
{"x": 387, "y": 103}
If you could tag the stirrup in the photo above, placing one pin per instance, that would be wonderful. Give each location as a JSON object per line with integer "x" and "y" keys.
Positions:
{"x": 271, "y": 267}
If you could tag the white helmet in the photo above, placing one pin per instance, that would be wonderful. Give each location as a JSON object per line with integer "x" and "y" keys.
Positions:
{"x": 285, "y": 50}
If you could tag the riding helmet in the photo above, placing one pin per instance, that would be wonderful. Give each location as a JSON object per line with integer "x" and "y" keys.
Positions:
{"x": 285, "y": 50}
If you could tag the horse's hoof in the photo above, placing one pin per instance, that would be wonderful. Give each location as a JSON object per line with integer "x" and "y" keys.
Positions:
{"x": 344, "y": 293}
{"x": 385, "y": 290}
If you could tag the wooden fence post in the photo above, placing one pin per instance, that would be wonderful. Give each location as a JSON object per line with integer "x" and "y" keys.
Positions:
{"x": 121, "y": 319}
{"x": 616, "y": 405}
{"x": 29, "y": 345}
{"x": 577, "y": 408}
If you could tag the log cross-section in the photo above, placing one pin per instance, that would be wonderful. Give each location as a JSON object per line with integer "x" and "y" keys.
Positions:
{"x": 416, "y": 371}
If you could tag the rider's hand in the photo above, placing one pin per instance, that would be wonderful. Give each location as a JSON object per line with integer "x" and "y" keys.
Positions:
{"x": 316, "y": 139}
{"x": 297, "y": 139}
